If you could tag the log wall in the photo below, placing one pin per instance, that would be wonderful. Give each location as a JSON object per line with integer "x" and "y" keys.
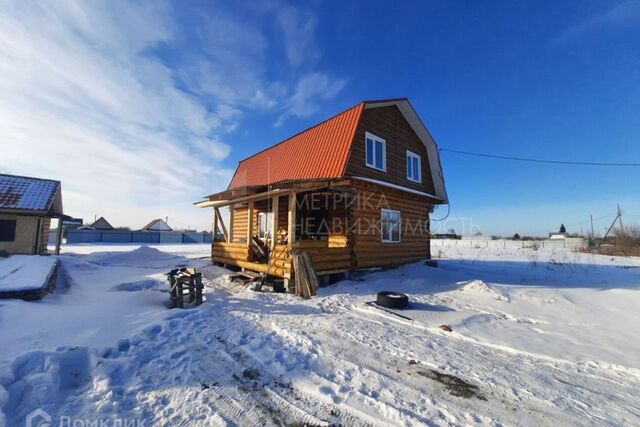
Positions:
{"x": 356, "y": 245}
{"x": 369, "y": 250}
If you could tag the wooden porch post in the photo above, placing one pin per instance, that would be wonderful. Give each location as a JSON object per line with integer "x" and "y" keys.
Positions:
{"x": 274, "y": 225}
{"x": 249, "y": 222}
{"x": 59, "y": 236}
{"x": 230, "y": 223}
{"x": 215, "y": 226}
{"x": 291, "y": 230}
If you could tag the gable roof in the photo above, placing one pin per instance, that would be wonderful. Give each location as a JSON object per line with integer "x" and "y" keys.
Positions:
{"x": 322, "y": 151}
{"x": 157, "y": 224}
{"x": 101, "y": 224}
{"x": 21, "y": 193}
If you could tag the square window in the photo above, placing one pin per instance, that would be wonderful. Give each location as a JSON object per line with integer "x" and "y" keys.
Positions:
{"x": 7, "y": 230}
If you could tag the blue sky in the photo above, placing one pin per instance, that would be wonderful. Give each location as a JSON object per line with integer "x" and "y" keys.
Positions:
{"x": 142, "y": 108}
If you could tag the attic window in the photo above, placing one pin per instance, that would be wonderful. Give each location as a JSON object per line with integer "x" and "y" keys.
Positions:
{"x": 414, "y": 166}
{"x": 375, "y": 152}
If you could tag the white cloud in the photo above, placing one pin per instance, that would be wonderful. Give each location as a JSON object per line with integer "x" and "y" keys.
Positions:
{"x": 298, "y": 31}
{"x": 85, "y": 101}
{"x": 622, "y": 15}
{"x": 310, "y": 88}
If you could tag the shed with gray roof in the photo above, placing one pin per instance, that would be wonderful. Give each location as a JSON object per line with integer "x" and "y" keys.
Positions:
{"x": 26, "y": 207}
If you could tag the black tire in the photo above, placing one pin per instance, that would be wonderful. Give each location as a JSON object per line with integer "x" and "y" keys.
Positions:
{"x": 392, "y": 300}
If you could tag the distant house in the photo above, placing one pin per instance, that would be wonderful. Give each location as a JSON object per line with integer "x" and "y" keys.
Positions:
{"x": 101, "y": 224}
{"x": 557, "y": 236}
{"x": 157, "y": 225}
{"x": 26, "y": 208}
{"x": 354, "y": 192}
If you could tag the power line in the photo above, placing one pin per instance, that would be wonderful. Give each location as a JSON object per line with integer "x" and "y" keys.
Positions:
{"x": 525, "y": 159}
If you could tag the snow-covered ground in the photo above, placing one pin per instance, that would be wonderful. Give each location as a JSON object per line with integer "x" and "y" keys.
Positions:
{"x": 546, "y": 337}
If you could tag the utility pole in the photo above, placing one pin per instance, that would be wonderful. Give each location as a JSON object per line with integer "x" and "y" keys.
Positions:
{"x": 620, "y": 219}
{"x": 592, "y": 234}
{"x": 617, "y": 218}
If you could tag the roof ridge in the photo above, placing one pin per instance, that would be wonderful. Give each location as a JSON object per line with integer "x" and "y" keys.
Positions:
{"x": 303, "y": 131}
{"x": 30, "y": 177}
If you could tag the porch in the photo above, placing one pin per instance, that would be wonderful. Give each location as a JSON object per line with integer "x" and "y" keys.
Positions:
{"x": 266, "y": 226}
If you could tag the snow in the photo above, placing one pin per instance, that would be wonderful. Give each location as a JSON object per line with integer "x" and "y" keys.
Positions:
{"x": 25, "y": 272}
{"x": 546, "y": 337}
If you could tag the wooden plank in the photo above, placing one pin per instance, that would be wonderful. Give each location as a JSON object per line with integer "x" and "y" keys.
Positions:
{"x": 249, "y": 222}
{"x": 311, "y": 273}
{"x": 231, "y": 218}
{"x": 275, "y": 206}
{"x": 221, "y": 224}
{"x": 215, "y": 227}
{"x": 291, "y": 226}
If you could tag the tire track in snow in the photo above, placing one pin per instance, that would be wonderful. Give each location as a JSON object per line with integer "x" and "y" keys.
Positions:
{"x": 539, "y": 401}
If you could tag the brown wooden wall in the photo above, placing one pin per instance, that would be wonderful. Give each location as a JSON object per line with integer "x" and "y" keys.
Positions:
{"x": 359, "y": 245}
{"x": 389, "y": 124}
{"x": 369, "y": 250}
{"x": 240, "y": 214}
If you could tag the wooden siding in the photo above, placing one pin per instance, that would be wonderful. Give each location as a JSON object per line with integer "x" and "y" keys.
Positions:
{"x": 240, "y": 214}
{"x": 389, "y": 124}
{"x": 368, "y": 248}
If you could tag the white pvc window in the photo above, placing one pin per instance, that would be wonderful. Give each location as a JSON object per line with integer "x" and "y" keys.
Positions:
{"x": 375, "y": 152}
{"x": 265, "y": 221}
{"x": 414, "y": 167}
{"x": 390, "y": 225}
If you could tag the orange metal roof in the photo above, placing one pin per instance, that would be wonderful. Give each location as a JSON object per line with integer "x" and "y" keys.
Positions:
{"x": 318, "y": 152}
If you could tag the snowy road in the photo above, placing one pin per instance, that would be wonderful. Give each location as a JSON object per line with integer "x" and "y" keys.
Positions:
{"x": 539, "y": 338}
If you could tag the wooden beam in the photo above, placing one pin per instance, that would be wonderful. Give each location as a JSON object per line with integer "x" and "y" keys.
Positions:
{"x": 215, "y": 227}
{"x": 235, "y": 196}
{"x": 230, "y": 223}
{"x": 291, "y": 229}
{"x": 249, "y": 222}
{"x": 274, "y": 226}
{"x": 59, "y": 236}
{"x": 221, "y": 223}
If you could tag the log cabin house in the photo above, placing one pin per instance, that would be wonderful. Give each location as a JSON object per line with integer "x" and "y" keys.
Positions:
{"x": 354, "y": 192}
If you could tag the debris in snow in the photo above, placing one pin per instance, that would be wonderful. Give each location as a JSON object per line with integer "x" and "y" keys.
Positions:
{"x": 445, "y": 328}
{"x": 250, "y": 373}
{"x": 454, "y": 385}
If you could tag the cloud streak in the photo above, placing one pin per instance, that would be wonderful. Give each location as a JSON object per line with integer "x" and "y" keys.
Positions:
{"x": 622, "y": 15}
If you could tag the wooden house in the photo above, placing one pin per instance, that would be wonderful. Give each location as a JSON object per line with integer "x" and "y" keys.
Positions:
{"x": 354, "y": 192}
{"x": 27, "y": 206}
{"x": 157, "y": 225}
{"x": 101, "y": 224}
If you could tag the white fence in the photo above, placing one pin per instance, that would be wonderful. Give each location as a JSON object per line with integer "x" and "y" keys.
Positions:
{"x": 571, "y": 243}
